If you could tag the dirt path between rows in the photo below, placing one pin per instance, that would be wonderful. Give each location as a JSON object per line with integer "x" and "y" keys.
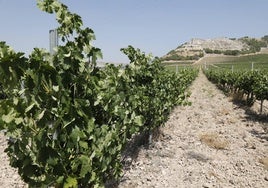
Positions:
{"x": 211, "y": 143}
{"x": 9, "y": 178}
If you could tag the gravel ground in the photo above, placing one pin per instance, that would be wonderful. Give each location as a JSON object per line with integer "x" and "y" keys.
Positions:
{"x": 212, "y": 143}
{"x": 9, "y": 177}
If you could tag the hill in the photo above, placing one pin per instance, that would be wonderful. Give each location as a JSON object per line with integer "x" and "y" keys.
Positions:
{"x": 197, "y": 48}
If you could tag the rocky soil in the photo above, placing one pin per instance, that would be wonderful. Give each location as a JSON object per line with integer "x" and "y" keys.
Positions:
{"x": 9, "y": 177}
{"x": 212, "y": 143}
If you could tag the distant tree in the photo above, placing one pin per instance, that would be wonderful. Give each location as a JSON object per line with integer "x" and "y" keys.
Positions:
{"x": 265, "y": 39}
{"x": 208, "y": 51}
{"x": 201, "y": 54}
{"x": 231, "y": 52}
{"x": 254, "y": 44}
{"x": 217, "y": 51}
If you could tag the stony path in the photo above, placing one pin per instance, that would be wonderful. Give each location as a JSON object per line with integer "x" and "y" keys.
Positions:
{"x": 9, "y": 177}
{"x": 208, "y": 144}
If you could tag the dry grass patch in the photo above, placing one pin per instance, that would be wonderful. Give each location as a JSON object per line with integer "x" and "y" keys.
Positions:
{"x": 213, "y": 140}
{"x": 264, "y": 161}
{"x": 237, "y": 96}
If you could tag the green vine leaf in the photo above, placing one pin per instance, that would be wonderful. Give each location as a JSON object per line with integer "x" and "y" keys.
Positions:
{"x": 70, "y": 183}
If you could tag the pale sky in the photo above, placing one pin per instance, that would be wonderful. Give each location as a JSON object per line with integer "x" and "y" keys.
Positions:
{"x": 154, "y": 26}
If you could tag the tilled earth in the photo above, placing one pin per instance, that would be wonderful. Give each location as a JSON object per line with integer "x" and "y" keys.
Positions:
{"x": 212, "y": 143}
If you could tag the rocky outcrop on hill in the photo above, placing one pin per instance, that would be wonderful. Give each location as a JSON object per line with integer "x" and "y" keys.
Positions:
{"x": 197, "y": 48}
{"x": 215, "y": 44}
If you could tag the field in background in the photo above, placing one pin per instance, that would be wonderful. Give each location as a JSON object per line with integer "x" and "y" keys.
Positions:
{"x": 177, "y": 67}
{"x": 249, "y": 62}
{"x": 256, "y": 62}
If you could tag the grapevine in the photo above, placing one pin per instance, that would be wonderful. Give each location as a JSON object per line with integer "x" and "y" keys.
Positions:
{"x": 67, "y": 120}
{"x": 253, "y": 84}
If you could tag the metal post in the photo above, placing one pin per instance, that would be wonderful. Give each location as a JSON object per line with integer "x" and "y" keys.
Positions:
{"x": 53, "y": 40}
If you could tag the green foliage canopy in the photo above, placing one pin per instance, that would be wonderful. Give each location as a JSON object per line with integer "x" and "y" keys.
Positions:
{"x": 67, "y": 120}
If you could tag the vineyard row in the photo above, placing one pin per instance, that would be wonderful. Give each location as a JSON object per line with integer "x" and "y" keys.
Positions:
{"x": 252, "y": 84}
{"x": 68, "y": 120}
